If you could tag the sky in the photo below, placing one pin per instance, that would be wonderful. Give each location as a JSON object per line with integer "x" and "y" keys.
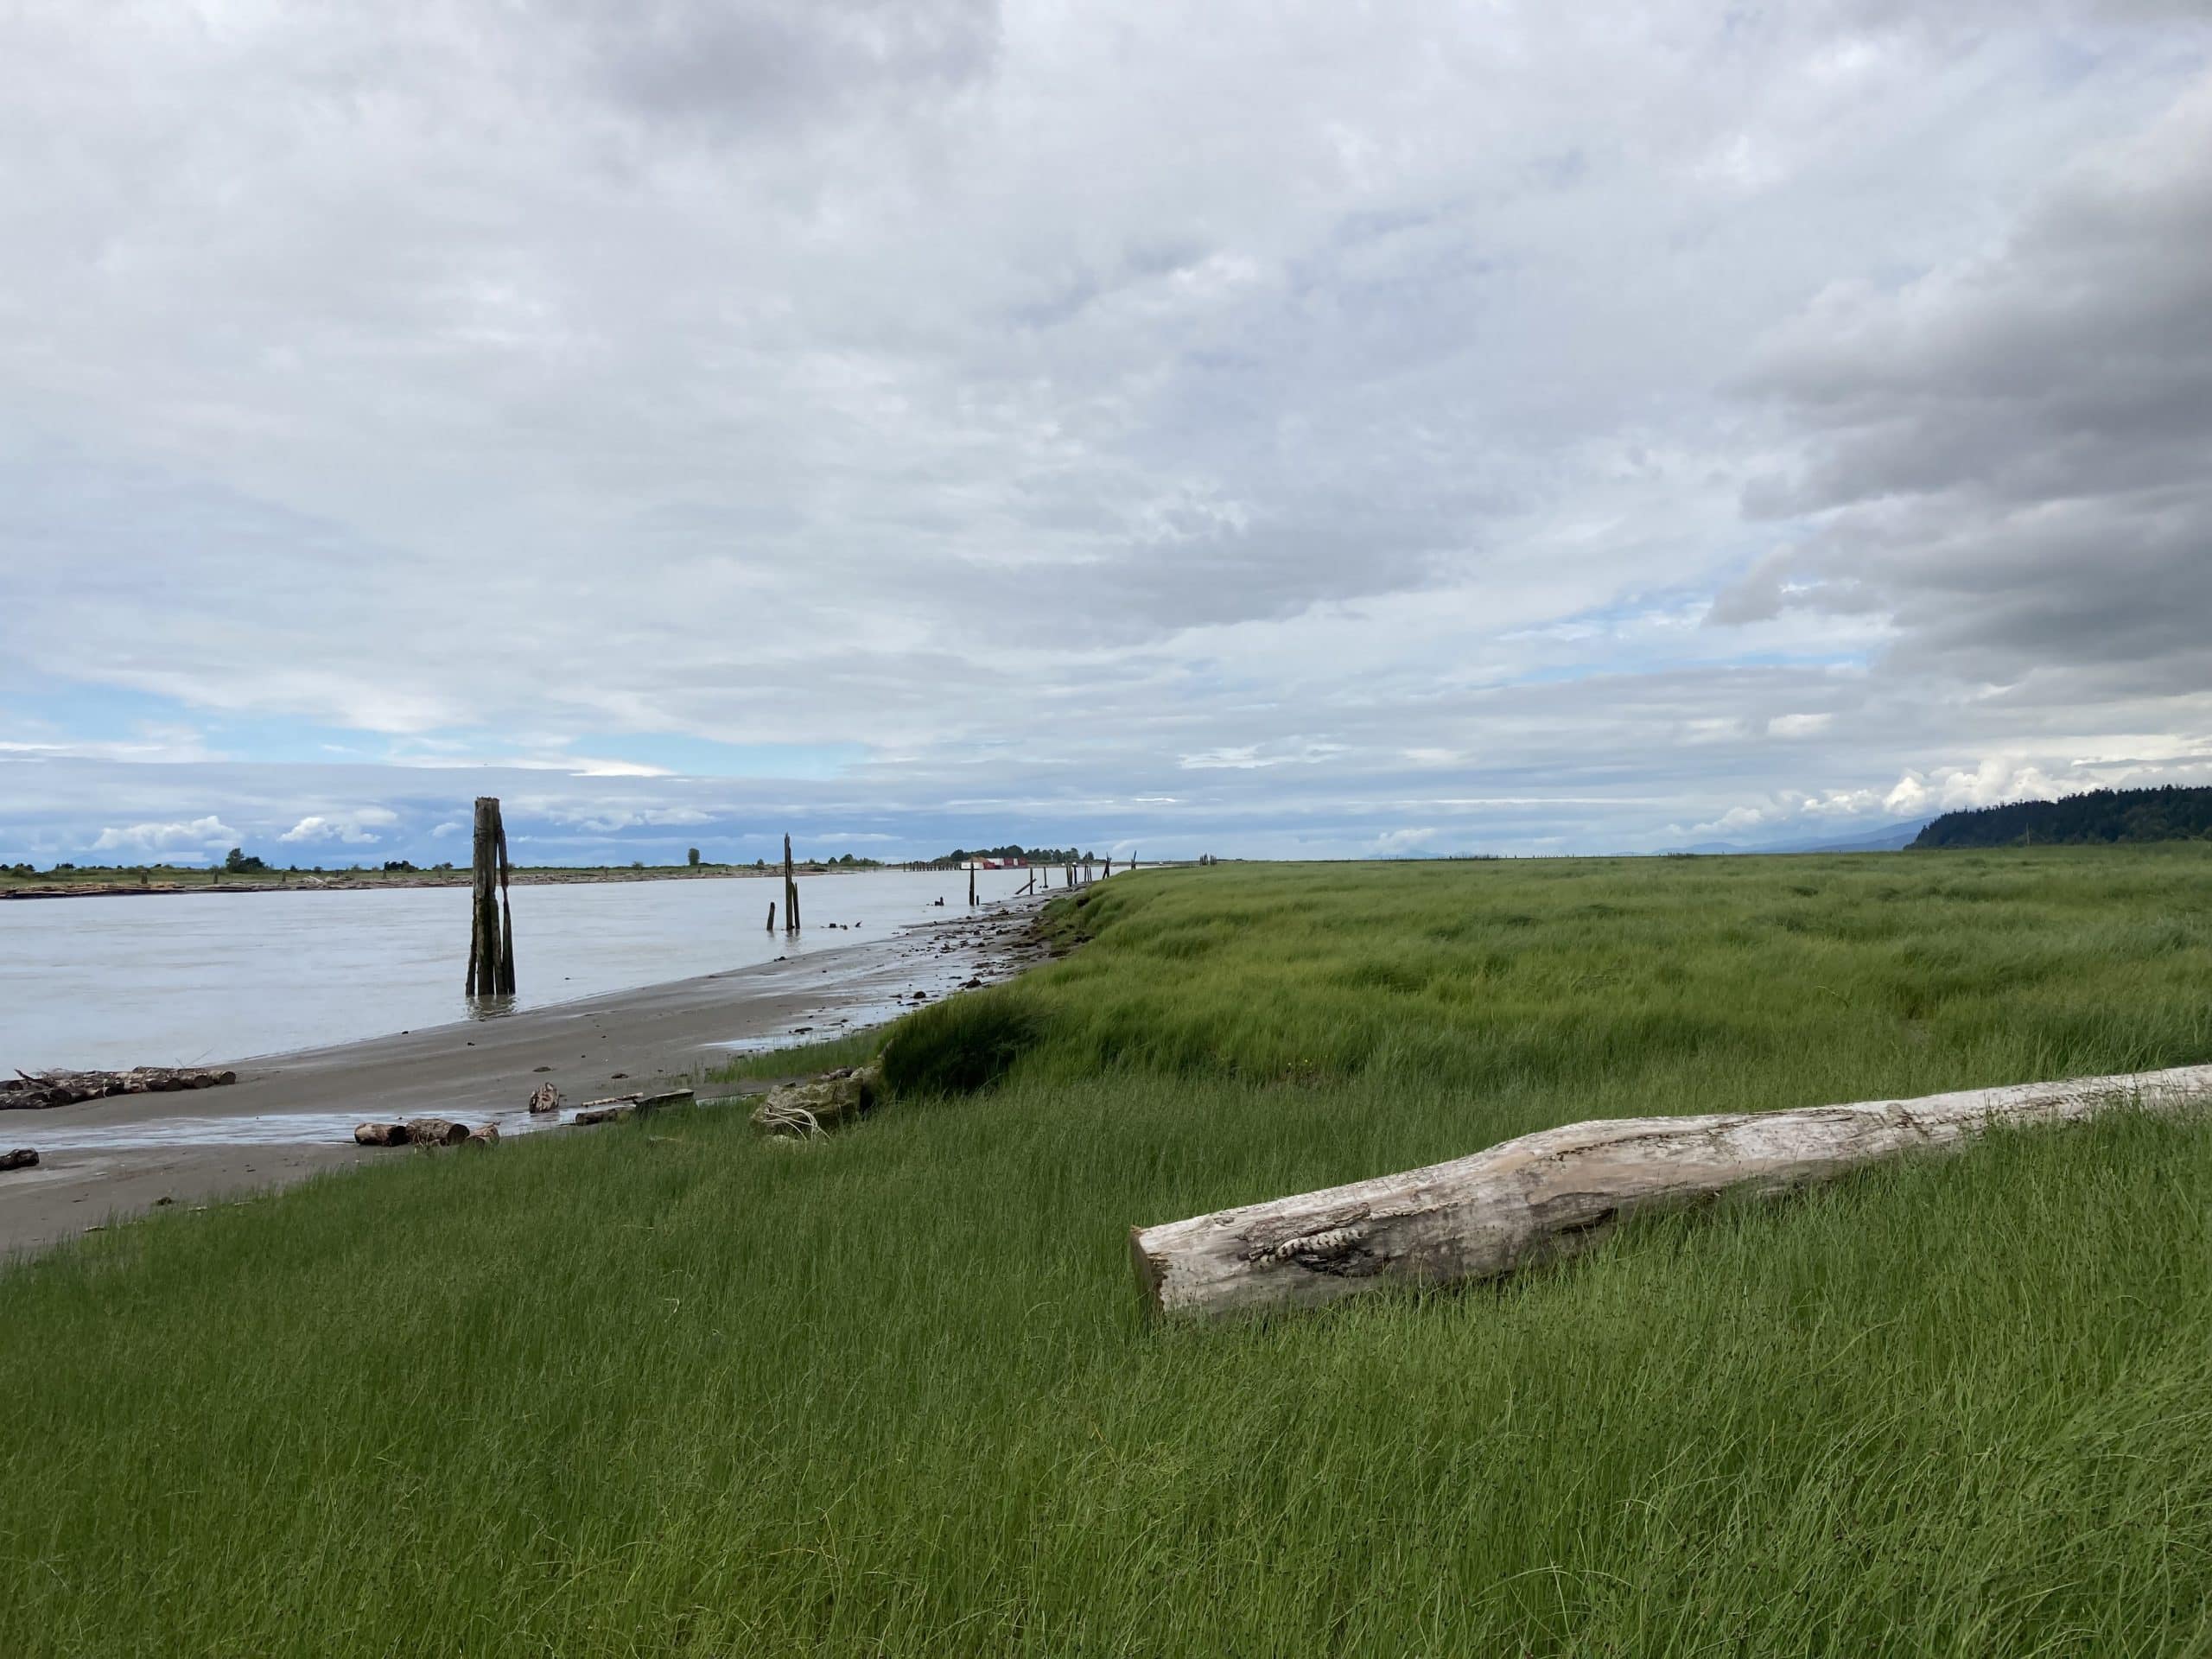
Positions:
{"x": 1275, "y": 430}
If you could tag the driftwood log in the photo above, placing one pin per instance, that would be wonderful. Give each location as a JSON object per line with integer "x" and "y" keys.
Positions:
{"x": 30, "y": 1091}
{"x": 380, "y": 1134}
{"x": 612, "y": 1109}
{"x": 436, "y": 1132}
{"x": 801, "y": 1111}
{"x": 21, "y": 1158}
{"x": 546, "y": 1098}
{"x": 1547, "y": 1195}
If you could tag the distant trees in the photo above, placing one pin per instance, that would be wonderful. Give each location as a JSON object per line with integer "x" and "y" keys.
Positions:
{"x": 692, "y": 858}
{"x": 1032, "y": 855}
{"x": 397, "y": 866}
{"x": 2098, "y": 816}
{"x": 237, "y": 863}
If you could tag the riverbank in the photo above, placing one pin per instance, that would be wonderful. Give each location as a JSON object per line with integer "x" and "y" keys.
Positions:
{"x": 668, "y": 1387}
{"x": 291, "y": 1115}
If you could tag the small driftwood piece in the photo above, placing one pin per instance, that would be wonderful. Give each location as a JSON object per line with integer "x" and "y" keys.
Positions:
{"x": 37, "y": 1091}
{"x": 380, "y": 1134}
{"x": 546, "y": 1098}
{"x": 483, "y": 1137}
{"x": 1547, "y": 1195}
{"x": 21, "y": 1158}
{"x": 612, "y": 1109}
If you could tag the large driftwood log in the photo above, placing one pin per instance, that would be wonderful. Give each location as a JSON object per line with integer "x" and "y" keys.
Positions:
{"x": 38, "y": 1091}
{"x": 21, "y": 1158}
{"x": 1547, "y": 1195}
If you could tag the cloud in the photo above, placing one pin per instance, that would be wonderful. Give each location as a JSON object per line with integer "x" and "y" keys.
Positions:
{"x": 879, "y": 402}
{"x": 355, "y": 827}
{"x": 196, "y": 837}
{"x": 2006, "y": 455}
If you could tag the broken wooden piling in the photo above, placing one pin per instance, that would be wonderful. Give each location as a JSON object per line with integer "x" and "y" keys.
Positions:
{"x": 490, "y": 933}
{"x": 790, "y": 891}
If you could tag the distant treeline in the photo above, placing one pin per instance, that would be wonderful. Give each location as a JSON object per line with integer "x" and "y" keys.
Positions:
{"x": 2099, "y": 816}
{"x": 1028, "y": 855}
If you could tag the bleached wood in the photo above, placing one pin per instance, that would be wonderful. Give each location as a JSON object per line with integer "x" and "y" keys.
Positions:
{"x": 1546, "y": 1195}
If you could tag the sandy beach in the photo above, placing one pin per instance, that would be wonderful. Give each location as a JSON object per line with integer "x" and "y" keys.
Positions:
{"x": 290, "y": 1115}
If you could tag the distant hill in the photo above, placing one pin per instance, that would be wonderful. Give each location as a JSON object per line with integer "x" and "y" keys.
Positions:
{"x": 1887, "y": 838}
{"x": 2100, "y": 817}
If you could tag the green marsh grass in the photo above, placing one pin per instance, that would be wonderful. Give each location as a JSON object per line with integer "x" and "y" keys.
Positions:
{"x": 665, "y": 1389}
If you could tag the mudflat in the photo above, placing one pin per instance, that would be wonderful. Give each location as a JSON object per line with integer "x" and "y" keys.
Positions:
{"x": 289, "y": 1116}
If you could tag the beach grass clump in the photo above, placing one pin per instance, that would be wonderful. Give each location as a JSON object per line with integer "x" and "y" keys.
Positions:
{"x": 666, "y": 1389}
{"x": 960, "y": 1045}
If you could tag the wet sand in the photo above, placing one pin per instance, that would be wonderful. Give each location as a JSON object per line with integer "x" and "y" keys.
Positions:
{"x": 291, "y": 1115}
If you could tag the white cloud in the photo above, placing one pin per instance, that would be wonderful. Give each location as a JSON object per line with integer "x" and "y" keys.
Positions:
{"x": 147, "y": 840}
{"x": 355, "y": 827}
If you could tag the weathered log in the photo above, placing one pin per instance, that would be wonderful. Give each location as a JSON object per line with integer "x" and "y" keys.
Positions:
{"x": 483, "y": 1137}
{"x": 805, "y": 1110}
{"x": 27, "y": 1091}
{"x": 546, "y": 1098}
{"x": 436, "y": 1132}
{"x": 381, "y": 1135}
{"x": 1547, "y": 1195}
{"x": 588, "y": 1114}
{"x": 21, "y": 1158}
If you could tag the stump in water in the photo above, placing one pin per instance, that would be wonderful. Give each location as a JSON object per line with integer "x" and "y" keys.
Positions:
{"x": 491, "y": 934}
{"x": 546, "y": 1098}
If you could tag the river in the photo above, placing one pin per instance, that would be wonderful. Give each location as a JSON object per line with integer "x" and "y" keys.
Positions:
{"x": 176, "y": 979}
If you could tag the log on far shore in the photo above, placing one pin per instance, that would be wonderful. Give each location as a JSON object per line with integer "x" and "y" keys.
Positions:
{"x": 1547, "y": 1195}
{"x": 38, "y": 1091}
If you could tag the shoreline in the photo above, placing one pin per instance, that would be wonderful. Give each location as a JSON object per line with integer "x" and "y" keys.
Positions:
{"x": 290, "y": 1115}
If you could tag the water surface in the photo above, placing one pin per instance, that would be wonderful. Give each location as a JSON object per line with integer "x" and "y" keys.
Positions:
{"x": 176, "y": 979}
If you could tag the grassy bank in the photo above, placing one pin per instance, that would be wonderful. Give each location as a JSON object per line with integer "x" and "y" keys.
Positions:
{"x": 666, "y": 1389}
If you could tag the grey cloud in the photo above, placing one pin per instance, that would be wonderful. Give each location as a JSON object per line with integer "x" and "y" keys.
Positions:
{"x": 2011, "y": 452}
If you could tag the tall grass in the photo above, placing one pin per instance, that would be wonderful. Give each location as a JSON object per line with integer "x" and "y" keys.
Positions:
{"x": 665, "y": 1388}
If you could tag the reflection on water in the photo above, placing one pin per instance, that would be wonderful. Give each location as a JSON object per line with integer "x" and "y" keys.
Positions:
{"x": 161, "y": 979}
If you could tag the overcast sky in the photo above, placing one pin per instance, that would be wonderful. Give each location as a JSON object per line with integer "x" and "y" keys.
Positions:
{"x": 1263, "y": 429}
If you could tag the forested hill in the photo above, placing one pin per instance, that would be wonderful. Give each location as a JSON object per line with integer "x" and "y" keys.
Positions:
{"x": 2102, "y": 815}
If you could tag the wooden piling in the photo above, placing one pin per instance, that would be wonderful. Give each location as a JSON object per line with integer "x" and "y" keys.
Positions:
{"x": 790, "y": 891}
{"x": 490, "y": 931}
{"x": 971, "y": 883}
{"x": 771, "y": 915}
{"x": 506, "y": 910}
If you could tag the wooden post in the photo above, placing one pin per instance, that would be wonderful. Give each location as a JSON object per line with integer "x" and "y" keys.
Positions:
{"x": 491, "y": 943}
{"x": 771, "y": 915}
{"x": 790, "y": 891}
{"x": 971, "y": 883}
{"x": 506, "y": 911}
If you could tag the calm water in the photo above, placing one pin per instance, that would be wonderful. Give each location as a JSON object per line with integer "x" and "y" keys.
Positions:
{"x": 171, "y": 979}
